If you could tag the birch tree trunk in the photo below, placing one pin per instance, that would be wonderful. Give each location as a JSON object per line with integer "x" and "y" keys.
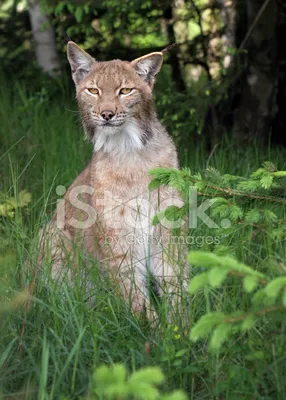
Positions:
{"x": 228, "y": 38}
{"x": 44, "y": 38}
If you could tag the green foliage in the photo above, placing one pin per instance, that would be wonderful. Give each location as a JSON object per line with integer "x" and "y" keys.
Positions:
{"x": 10, "y": 207}
{"x": 14, "y": 45}
{"x": 268, "y": 298}
{"x": 127, "y": 29}
{"x": 254, "y": 207}
{"x": 189, "y": 109}
{"x": 241, "y": 207}
{"x": 111, "y": 383}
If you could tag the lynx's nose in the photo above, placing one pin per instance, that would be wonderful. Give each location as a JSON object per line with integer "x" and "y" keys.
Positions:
{"x": 107, "y": 114}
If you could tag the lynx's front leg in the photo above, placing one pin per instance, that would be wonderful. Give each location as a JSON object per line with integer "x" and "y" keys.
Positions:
{"x": 171, "y": 281}
{"x": 129, "y": 271}
{"x": 56, "y": 248}
{"x": 169, "y": 268}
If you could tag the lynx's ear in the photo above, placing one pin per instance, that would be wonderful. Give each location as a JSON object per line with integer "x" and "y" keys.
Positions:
{"x": 147, "y": 67}
{"x": 80, "y": 62}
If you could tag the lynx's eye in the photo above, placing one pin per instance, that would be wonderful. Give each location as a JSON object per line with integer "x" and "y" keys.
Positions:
{"x": 125, "y": 91}
{"x": 93, "y": 90}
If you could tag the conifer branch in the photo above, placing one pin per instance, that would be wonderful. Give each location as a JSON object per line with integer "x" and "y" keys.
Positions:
{"x": 233, "y": 192}
{"x": 260, "y": 313}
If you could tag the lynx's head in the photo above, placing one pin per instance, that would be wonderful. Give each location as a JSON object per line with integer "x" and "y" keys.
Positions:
{"x": 115, "y": 98}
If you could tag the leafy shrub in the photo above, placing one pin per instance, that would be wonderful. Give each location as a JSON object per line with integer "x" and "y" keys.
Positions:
{"x": 268, "y": 296}
{"x": 112, "y": 383}
{"x": 8, "y": 209}
{"x": 244, "y": 209}
{"x": 8, "y": 205}
{"x": 255, "y": 210}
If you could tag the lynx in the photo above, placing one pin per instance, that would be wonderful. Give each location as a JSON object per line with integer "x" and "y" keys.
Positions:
{"x": 108, "y": 209}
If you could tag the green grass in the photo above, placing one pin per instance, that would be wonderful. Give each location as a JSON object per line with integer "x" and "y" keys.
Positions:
{"x": 42, "y": 147}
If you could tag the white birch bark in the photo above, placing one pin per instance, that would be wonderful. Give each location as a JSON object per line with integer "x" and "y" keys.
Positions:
{"x": 44, "y": 38}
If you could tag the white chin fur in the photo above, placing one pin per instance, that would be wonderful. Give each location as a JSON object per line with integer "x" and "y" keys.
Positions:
{"x": 119, "y": 140}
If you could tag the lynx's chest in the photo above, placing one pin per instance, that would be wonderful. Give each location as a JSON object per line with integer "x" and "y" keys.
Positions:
{"x": 122, "y": 197}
